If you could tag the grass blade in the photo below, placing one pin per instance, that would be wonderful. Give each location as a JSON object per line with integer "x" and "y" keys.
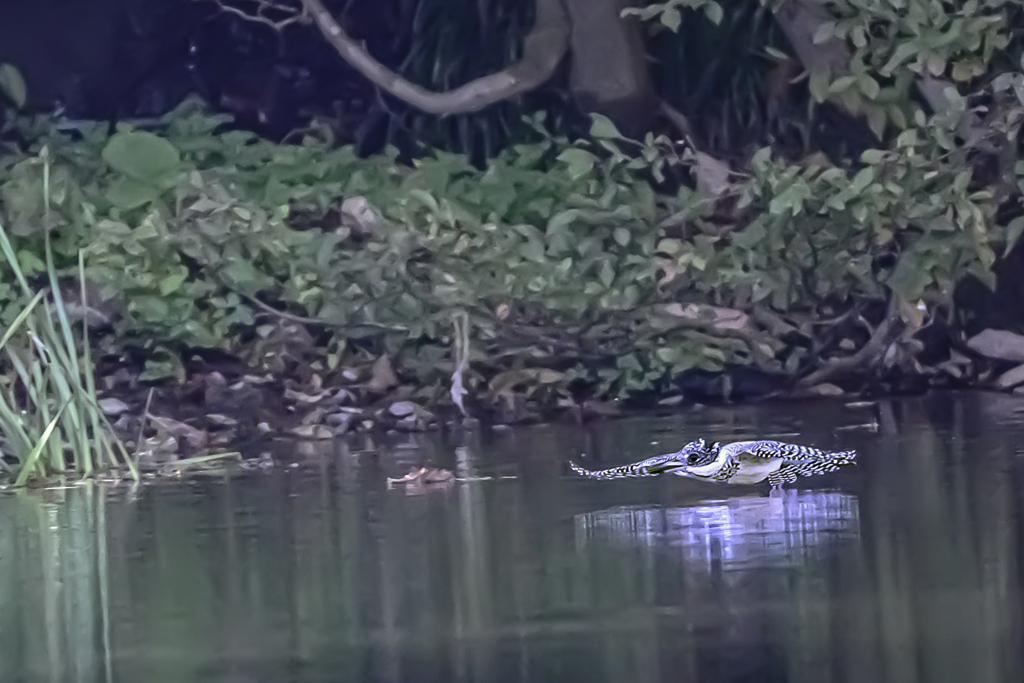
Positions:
{"x": 30, "y": 461}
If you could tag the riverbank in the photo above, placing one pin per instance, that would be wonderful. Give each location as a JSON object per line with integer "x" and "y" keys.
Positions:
{"x": 236, "y": 288}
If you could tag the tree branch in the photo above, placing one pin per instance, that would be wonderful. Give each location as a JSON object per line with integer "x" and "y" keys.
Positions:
{"x": 264, "y": 8}
{"x": 543, "y": 50}
{"x": 868, "y": 353}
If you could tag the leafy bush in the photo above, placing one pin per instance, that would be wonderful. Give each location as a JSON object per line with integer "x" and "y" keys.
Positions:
{"x": 579, "y": 265}
{"x": 50, "y": 417}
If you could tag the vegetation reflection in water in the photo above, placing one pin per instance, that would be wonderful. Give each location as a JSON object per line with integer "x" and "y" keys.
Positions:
{"x": 906, "y": 568}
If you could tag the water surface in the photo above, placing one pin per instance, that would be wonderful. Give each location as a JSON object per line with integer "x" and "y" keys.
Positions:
{"x": 905, "y": 568}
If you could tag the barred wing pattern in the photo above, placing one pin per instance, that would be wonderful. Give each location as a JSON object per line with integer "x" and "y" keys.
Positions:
{"x": 740, "y": 462}
{"x": 791, "y": 452}
{"x": 791, "y": 471}
{"x": 797, "y": 461}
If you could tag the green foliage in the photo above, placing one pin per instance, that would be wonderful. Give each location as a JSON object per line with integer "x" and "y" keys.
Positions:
{"x": 146, "y": 165}
{"x": 49, "y": 412}
{"x": 916, "y": 198}
{"x": 830, "y": 222}
{"x": 733, "y": 77}
{"x": 558, "y": 233}
{"x": 952, "y": 39}
{"x": 572, "y": 269}
{"x": 670, "y": 13}
{"x": 563, "y": 255}
{"x": 893, "y": 45}
{"x": 13, "y": 95}
{"x": 12, "y": 86}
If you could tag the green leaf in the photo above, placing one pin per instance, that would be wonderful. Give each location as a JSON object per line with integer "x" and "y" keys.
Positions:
{"x": 904, "y": 51}
{"x": 868, "y": 86}
{"x": 13, "y": 85}
{"x": 668, "y": 354}
{"x": 150, "y": 307}
{"x": 961, "y": 181}
{"x": 861, "y": 181}
{"x": 1013, "y": 233}
{"x": 910, "y": 277}
{"x": 171, "y": 283}
{"x": 751, "y": 236}
{"x": 872, "y": 156}
{"x": 242, "y": 275}
{"x": 425, "y": 198}
{"x": 580, "y": 162}
{"x": 142, "y": 156}
{"x": 841, "y": 84}
{"x": 818, "y": 84}
{"x": 602, "y": 127}
{"x": 128, "y": 193}
{"x": 876, "y": 121}
{"x": 907, "y": 138}
{"x": 825, "y": 31}
{"x": 30, "y": 264}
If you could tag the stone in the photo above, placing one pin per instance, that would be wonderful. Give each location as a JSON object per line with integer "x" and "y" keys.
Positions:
{"x": 113, "y": 407}
{"x": 402, "y": 408}
{"x": 998, "y": 344}
{"x": 825, "y": 389}
{"x": 1011, "y": 378}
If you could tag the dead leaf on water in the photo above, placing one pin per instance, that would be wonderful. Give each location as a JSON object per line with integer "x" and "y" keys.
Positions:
{"x": 304, "y": 398}
{"x": 422, "y": 476}
{"x": 313, "y": 431}
{"x": 825, "y": 389}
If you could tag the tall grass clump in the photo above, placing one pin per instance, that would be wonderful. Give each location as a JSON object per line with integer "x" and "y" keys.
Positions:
{"x": 51, "y": 423}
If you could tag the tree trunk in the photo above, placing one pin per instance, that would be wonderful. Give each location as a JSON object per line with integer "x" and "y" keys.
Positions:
{"x": 610, "y": 74}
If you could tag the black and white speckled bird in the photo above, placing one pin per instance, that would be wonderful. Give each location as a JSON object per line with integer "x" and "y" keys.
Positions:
{"x": 740, "y": 462}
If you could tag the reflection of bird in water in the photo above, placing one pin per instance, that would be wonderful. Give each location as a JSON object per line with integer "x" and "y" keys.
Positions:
{"x": 732, "y": 533}
{"x": 740, "y": 462}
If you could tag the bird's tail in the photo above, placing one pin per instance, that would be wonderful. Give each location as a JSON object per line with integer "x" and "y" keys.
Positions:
{"x": 833, "y": 462}
{"x": 840, "y": 458}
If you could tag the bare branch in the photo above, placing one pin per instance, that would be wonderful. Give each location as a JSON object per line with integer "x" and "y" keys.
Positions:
{"x": 264, "y": 10}
{"x": 869, "y": 353}
{"x": 543, "y": 50}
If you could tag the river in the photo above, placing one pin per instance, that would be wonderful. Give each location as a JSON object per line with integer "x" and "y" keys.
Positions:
{"x": 906, "y": 567}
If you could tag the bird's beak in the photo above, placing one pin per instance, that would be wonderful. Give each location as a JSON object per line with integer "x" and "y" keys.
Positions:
{"x": 671, "y": 466}
{"x": 682, "y": 471}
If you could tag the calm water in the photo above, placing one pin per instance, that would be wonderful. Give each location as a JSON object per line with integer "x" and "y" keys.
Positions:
{"x": 905, "y": 568}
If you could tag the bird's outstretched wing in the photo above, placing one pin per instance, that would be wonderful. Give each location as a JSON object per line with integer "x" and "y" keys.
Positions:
{"x": 695, "y": 452}
{"x": 807, "y": 456}
{"x": 651, "y": 467}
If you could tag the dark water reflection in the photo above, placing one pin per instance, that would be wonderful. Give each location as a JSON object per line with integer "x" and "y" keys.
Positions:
{"x": 906, "y": 568}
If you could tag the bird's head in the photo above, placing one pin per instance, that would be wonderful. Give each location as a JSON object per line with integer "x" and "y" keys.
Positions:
{"x": 697, "y": 453}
